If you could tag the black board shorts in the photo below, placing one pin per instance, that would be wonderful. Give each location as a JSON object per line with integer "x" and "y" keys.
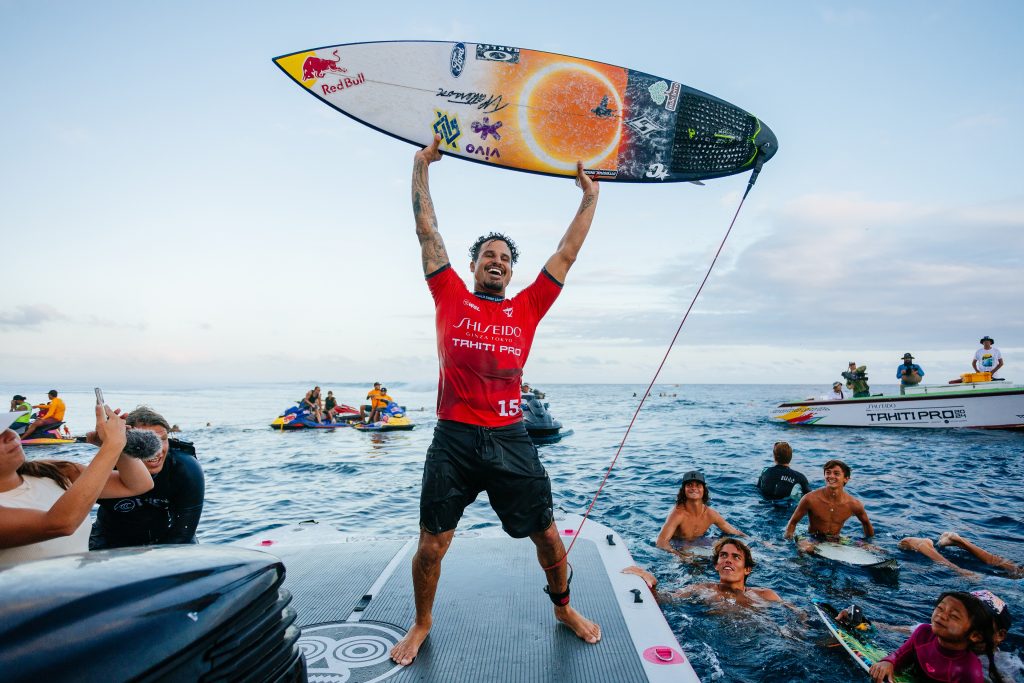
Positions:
{"x": 465, "y": 459}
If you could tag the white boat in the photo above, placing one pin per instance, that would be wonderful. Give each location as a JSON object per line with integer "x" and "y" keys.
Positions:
{"x": 985, "y": 405}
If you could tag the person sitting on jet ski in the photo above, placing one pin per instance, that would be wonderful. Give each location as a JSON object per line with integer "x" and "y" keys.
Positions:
{"x": 50, "y": 419}
{"x": 381, "y": 402}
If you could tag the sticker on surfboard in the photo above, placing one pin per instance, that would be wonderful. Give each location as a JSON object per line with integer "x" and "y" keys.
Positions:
{"x": 534, "y": 111}
{"x": 859, "y": 644}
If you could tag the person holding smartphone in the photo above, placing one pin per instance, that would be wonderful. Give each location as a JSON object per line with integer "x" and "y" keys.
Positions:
{"x": 45, "y": 504}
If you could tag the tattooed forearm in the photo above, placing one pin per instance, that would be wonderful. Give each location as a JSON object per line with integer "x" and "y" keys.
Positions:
{"x": 433, "y": 252}
{"x": 431, "y": 244}
{"x": 588, "y": 200}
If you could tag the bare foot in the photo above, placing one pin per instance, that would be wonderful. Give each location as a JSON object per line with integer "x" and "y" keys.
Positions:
{"x": 407, "y": 648}
{"x": 580, "y": 625}
{"x": 948, "y": 538}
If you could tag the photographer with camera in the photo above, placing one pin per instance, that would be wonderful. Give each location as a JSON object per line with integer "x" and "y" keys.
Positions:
{"x": 857, "y": 380}
{"x": 167, "y": 514}
{"x": 45, "y": 504}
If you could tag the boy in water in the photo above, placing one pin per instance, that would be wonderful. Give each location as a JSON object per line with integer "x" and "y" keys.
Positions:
{"x": 778, "y": 482}
{"x": 828, "y": 508}
{"x": 691, "y": 517}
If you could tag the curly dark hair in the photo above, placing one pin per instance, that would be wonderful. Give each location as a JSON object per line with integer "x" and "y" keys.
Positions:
{"x": 474, "y": 251}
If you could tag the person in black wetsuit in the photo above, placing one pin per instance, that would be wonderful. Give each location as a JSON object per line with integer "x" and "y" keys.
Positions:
{"x": 167, "y": 514}
{"x": 777, "y": 482}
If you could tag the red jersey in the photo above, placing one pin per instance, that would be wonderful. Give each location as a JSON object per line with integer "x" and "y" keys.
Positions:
{"x": 482, "y": 346}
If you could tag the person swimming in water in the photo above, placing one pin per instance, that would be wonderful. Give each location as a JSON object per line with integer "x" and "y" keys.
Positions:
{"x": 691, "y": 517}
{"x": 734, "y": 562}
{"x": 828, "y": 508}
{"x": 950, "y": 539}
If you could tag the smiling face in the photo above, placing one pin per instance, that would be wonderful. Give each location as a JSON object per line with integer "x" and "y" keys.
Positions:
{"x": 156, "y": 463}
{"x": 492, "y": 271}
{"x": 950, "y": 621}
{"x": 835, "y": 478}
{"x": 694, "y": 490}
{"x": 731, "y": 565}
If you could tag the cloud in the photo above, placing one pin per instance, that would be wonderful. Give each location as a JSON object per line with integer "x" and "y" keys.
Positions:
{"x": 31, "y": 315}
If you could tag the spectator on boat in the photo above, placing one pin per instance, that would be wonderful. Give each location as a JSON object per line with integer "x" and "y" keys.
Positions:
{"x": 371, "y": 396}
{"x": 828, "y": 508}
{"x": 19, "y": 404}
{"x": 381, "y": 401}
{"x": 857, "y": 380}
{"x": 52, "y": 416}
{"x": 950, "y": 539}
{"x": 777, "y": 482}
{"x": 480, "y": 441}
{"x": 311, "y": 402}
{"x": 987, "y": 358}
{"x": 45, "y": 504}
{"x": 837, "y": 392}
{"x": 329, "y": 404}
{"x": 691, "y": 517}
{"x": 945, "y": 648}
{"x": 734, "y": 562}
{"x": 908, "y": 373}
{"x": 167, "y": 514}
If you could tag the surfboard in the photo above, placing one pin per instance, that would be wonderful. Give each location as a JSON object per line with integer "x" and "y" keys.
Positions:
{"x": 853, "y": 553}
{"x": 534, "y": 111}
{"x": 858, "y": 644}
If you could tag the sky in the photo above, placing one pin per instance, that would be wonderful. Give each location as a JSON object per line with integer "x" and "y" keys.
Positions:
{"x": 176, "y": 212}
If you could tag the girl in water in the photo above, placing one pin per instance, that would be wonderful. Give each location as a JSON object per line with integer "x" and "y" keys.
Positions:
{"x": 942, "y": 650}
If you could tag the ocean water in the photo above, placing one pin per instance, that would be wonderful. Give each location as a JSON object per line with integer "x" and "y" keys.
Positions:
{"x": 912, "y": 483}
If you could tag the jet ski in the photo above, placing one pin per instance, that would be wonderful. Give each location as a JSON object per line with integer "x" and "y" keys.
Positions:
{"x": 298, "y": 417}
{"x": 542, "y": 427}
{"x": 392, "y": 419}
{"x": 54, "y": 436}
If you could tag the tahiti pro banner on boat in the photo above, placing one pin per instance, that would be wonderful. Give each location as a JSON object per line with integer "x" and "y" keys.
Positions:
{"x": 535, "y": 111}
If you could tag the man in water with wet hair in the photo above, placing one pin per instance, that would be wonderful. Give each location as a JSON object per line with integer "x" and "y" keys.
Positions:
{"x": 480, "y": 442}
{"x": 777, "y": 482}
{"x": 734, "y": 562}
{"x": 828, "y": 508}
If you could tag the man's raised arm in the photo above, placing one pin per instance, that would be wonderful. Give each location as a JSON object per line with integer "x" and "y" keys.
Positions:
{"x": 572, "y": 241}
{"x": 431, "y": 244}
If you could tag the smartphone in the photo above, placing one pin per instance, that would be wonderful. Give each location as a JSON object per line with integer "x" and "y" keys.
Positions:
{"x": 99, "y": 396}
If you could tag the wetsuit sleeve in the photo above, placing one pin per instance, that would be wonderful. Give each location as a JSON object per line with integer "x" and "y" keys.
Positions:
{"x": 805, "y": 486}
{"x": 903, "y": 656}
{"x": 186, "y": 507}
{"x": 760, "y": 480}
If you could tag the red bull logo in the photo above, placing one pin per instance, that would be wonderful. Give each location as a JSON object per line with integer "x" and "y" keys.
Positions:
{"x": 315, "y": 67}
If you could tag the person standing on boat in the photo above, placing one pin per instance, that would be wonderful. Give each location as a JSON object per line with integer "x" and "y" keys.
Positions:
{"x": 987, "y": 358}
{"x": 908, "y": 373}
{"x": 828, "y": 508}
{"x": 20, "y": 404}
{"x": 857, "y": 380}
{"x": 480, "y": 441}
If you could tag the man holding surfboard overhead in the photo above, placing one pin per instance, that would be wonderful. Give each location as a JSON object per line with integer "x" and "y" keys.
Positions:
{"x": 828, "y": 508}
{"x": 480, "y": 442}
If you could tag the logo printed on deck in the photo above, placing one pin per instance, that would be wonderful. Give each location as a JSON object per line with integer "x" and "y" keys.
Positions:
{"x": 658, "y": 91}
{"x": 657, "y": 171}
{"x": 484, "y": 151}
{"x": 602, "y": 109}
{"x": 497, "y": 53}
{"x": 672, "y": 99}
{"x": 486, "y": 102}
{"x": 457, "y": 62}
{"x": 343, "y": 84}
{"x": 644, "y": 126}
{"x": 485, "y": 128}
{"x": 447, "y": 127}
{"x": 315, "y": 67}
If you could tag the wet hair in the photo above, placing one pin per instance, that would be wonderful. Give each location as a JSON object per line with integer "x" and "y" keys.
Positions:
{"x": 841, "y": 465}
{"x": 681, "y": 496}
{"x": 782, "y": 452}
{"x": 980, "y": 618}
{"x": 748, "y": 557}
{"x": 144, "y": 416}
{"x": 474, "y": 251}
{"x": 57, "y": 470}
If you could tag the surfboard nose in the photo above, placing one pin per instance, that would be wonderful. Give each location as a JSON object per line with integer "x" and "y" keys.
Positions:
{"x": 767, "y": 142}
